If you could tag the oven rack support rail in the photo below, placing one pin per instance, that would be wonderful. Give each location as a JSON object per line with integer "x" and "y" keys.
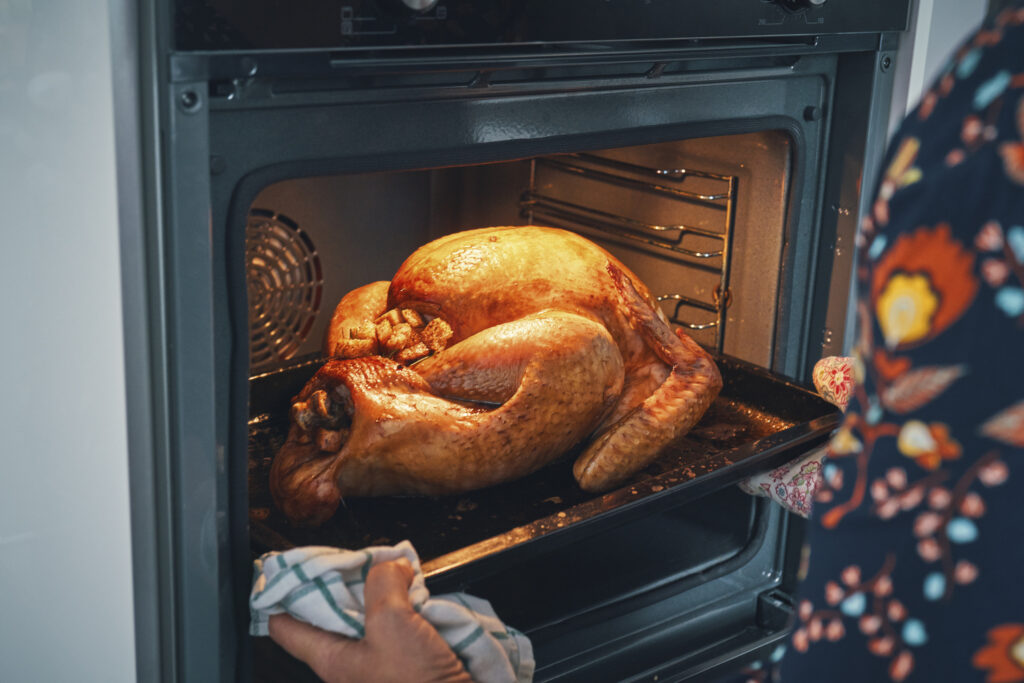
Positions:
{"x": 694, "y": 247}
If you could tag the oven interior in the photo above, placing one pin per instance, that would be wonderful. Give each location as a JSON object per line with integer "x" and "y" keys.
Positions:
{"x": 693, "y": 218}
{"x": 702, "y": 222}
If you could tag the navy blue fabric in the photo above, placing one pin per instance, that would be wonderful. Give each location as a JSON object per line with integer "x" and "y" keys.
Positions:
{"x": 916, "y": 545}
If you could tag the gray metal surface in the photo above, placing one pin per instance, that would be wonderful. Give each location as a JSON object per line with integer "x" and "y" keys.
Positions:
{"x": 198, "y": 382}
{"x": 139, "y": 220}
{"x": 223, "y": 153}
{"x": 682, "y": 616}
{"x": 860, "y": 130}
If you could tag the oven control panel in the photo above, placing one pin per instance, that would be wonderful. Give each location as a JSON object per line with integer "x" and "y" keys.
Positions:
{"x": 797, "y": 5}
{"x": 369, "y": 24}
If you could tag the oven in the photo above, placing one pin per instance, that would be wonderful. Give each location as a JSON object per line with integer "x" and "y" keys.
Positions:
{"x": 296, "y": 151}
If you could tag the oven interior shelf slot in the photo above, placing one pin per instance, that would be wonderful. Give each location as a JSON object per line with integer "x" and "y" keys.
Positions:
{"x": 616, "y": 224}
{"x": 677, "y": 175}
{"x": 682, "y": 213}
{"x": 678, "y": 312}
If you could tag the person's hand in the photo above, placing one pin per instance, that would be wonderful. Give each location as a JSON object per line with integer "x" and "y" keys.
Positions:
{"x": 399, "y": 644}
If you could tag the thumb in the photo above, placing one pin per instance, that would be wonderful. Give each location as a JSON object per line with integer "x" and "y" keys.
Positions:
{"x": 318, "y": 648}
{"x": 387, "y": 589}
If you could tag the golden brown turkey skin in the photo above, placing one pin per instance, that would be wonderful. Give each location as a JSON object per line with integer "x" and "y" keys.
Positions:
{"x": 407, "y": 438}
{"x": 362, "y": 303}
{"x": 668, "y": 413}
{"x": 541, "y": 317}
{"x": 479, "y": 278}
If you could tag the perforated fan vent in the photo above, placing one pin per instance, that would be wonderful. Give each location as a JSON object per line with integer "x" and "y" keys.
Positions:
{"x": 285, "y": 283}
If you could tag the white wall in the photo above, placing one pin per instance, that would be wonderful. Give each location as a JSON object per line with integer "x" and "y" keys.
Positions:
{"x": 937, "y": 29}
{"x": 65, "y": 555}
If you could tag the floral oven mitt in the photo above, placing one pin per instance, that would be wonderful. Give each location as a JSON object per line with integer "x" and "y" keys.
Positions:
{"x": 793, "y": 485}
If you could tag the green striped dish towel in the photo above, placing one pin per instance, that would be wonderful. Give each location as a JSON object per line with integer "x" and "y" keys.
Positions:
{"x": 324, "y": 587}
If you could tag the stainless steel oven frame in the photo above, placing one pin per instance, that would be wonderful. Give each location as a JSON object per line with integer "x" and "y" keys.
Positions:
{"x": 217, "y": 127}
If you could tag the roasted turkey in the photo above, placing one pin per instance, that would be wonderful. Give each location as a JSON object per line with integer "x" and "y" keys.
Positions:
{"x": 489, "y": 354}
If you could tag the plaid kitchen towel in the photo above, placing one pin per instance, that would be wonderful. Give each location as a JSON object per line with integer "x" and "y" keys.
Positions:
{"x": 324, "y": 587}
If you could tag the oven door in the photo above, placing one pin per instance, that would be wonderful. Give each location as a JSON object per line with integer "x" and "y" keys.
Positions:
{"x": 660, "y": 606}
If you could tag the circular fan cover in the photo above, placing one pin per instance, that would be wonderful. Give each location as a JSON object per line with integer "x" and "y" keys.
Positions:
{"x": 285, "y": 286}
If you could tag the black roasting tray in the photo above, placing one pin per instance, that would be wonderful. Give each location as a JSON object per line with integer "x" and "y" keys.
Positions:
{"x": 759, "y": 421}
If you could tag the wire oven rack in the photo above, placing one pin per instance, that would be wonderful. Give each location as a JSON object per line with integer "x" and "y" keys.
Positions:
{"x": 703, "y": 247}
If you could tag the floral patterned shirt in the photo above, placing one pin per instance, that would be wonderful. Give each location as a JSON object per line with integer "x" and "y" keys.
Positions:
{"x": 916, "y": 562}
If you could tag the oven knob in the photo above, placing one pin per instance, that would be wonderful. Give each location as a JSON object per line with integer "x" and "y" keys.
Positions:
{"x": 420, "y": 5}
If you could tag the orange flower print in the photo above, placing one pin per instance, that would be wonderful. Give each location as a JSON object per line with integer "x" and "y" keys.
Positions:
{"x": 927, "y": 105}
{"x": 987, "y": 38}
{"x": 921, "y": 286}
{"x": 1010, "y": 17}
{"x": 1013, "y": 152}
{"x": 946, "y": 84}
{"x": 1013, "y": 160}
{"x": 972, "y": 130}
{"x": 1003, "y": 656}
{"x": 890, "y": 367}
{"x": 955, "y": 156}
{"x": 928, "y": 445}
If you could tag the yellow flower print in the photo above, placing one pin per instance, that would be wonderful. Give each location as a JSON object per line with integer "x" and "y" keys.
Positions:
{"x": 928, "y": 445}
{"x": 905, "y": 308}
{"x": 901, "y": 171}
{"x": 844, "y": 443}
{"x": 921, "y": 285}
{"x": 915, "y": 438}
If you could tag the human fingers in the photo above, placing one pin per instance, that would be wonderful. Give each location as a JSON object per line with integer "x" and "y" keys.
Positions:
{"x": 320, "y": 649}
{"x": 402, "y": 645}
{"x": 387, "y": 588}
